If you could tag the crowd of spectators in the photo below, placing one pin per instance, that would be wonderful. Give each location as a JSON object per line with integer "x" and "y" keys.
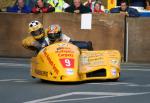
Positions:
{"x": 94, "y": 6}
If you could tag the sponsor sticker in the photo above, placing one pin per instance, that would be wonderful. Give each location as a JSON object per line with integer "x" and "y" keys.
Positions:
{"x": 65, "y": 55}
{"x": 51, "y": 62}
{"x": 64, "y": 50}
{"x": 114, "y": 72}
{"x": 70, "y": 71}
{"x": 42, "y": 73}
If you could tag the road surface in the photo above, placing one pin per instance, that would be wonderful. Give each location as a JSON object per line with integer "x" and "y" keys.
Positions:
{"x": 16, "y": 86}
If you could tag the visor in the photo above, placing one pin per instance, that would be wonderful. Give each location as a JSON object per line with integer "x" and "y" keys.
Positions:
{"x": 54, "y": 36}
{"x": 37, "y": 32}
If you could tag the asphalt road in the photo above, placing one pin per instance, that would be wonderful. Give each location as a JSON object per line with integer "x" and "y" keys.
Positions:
{"x": 16, "y": 86}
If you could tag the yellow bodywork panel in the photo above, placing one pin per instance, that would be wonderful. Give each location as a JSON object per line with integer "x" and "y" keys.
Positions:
{"x": 105, "y": 61}
{"x": 64, "y": 62}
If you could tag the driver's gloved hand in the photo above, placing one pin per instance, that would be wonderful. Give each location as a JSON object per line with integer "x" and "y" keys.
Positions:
{"x": 37, "y": 45}
{"x": 44, "y": 44}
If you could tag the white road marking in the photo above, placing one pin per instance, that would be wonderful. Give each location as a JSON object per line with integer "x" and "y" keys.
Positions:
{"x": 120, "y": 83}
{"x": 97, "y": 94}
{"x": 144, "y": 70}
{"x": 135, "y": 64}
{"x": 111, "y": 83}
{"x": 127, "y": 66}
{"x": 48, "y": 98}
{"x": 77, "y": 99}
{"x": 8, "y": 80}
{"x": 134, "y": 85}
{"x": 22, "y": 81}
{"x": 14, "y": 64}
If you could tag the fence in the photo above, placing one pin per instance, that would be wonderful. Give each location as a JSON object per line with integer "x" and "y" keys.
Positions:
{"x": 108, "y": 32}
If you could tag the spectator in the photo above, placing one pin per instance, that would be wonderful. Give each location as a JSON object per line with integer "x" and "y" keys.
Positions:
{"x": 148, "y": 4}
{"x": 20, "y": 7}
{"x": 78, "y": 7}
{"x": 59, "y": 5}
{"x": 43, "y": 7}
{"x": 91, "y": 4}
{"x": 119, "y": 2}
{"x": 97, "y": 8}
{"x": 125, "y": 10}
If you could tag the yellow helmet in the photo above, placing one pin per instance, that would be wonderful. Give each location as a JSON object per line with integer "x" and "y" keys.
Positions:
{"x": 36, "y": 29}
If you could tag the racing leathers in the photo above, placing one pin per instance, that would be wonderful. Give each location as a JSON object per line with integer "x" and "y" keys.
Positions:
{"x": 32, "y": 44}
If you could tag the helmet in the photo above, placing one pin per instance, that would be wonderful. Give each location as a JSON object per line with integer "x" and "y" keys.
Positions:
{"x": 36, "y": 29}
{"x": 54, "y": 32}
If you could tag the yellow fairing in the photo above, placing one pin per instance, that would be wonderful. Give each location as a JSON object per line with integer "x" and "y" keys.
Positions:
{"x": 63, "y": 62}
{"x": 57, "y": 62}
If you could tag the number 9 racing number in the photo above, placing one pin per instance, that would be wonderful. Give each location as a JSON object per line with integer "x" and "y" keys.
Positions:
{"x": 67, "y": 62}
